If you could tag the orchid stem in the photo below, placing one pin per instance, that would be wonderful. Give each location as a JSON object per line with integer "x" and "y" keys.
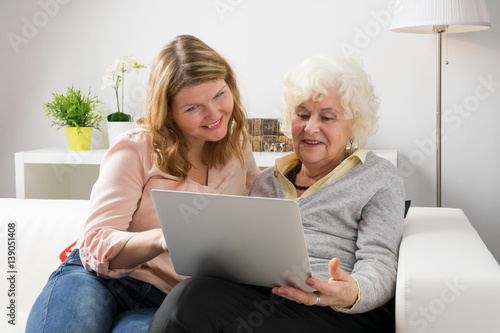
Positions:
{"x": 123, "y": 85}
{"x": 116, "y": 92}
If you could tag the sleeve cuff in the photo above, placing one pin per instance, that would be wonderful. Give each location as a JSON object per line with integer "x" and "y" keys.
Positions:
{"x": 355, "y": 303}
{"x": 102, "y": 269}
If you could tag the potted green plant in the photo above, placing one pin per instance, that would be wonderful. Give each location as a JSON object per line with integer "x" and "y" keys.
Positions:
{"x": 119, "y": 121}
{"x": 78, "y": 113}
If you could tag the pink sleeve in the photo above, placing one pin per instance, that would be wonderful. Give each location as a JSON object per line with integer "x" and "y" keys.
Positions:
{"x": 114, "y": 199}
{"x": 251, "y": 167}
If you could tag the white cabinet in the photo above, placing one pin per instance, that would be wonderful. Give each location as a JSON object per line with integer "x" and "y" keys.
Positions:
{"x": 59, "y": 173}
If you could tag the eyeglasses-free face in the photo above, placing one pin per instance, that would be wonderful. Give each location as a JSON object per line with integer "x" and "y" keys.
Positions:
{"x": 320, "y": 132}
{"x": 202, "y": 111}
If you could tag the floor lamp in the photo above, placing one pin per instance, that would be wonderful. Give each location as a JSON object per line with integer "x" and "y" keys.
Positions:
{"x": 438, "y": 17}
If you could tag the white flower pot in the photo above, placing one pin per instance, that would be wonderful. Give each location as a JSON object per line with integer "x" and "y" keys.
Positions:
{"x": 116, "y": 128}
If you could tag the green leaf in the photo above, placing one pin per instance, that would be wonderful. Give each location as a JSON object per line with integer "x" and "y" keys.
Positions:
{"x": 75, "y": 109}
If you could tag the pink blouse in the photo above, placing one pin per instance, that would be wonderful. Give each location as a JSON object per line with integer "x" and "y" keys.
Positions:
{"x": 121, "y": 205}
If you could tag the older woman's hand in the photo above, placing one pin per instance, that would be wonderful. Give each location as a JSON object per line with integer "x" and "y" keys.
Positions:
{"x": 341, "y": 291}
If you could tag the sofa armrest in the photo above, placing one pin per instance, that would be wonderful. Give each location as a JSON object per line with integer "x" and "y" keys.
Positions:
{"x": 448, "y": 281}
{"x": 42, "y": 229}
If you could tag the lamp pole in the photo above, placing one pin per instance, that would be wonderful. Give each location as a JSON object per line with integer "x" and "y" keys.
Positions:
{"x": 439, "y": 31}
{"x": 431, "y": 16}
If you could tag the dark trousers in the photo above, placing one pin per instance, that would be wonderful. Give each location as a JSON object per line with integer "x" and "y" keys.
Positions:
{"x": 214, "y": 305}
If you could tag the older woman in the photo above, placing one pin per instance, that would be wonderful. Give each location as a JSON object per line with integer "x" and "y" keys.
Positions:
{"x": 352, "y": 207}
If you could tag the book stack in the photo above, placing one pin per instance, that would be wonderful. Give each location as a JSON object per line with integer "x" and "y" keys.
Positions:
{"x": 265, "y": 135}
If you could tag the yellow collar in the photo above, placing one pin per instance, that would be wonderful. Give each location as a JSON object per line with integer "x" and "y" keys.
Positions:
{"x": 286, "y": 163}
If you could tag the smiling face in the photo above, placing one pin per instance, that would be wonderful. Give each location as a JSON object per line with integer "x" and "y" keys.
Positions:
{"x": 202, "y": 111}
{"x": 320, "y": 132}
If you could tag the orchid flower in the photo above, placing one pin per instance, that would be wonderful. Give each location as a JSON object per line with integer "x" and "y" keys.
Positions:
{"x": 116, "y": 75}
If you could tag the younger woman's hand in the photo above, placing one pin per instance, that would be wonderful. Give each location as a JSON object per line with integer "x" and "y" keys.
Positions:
{"x": 141, "y": 247}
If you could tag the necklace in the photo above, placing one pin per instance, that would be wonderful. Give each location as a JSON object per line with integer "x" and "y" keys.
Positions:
{"x": 292, "y": 176}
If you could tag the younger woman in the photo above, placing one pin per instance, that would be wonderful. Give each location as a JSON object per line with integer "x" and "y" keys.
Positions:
{"x": 192, "y": 138}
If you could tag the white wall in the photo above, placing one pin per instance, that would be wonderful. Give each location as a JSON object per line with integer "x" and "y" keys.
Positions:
{"x": 47, "y": 45}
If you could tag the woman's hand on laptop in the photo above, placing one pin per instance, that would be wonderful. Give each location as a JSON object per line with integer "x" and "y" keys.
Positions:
{"x": 141, "y": 247}
{"x": 340, "y": 292}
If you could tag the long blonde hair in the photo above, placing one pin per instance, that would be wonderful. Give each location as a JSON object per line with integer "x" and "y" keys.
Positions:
{"x": 187, "y": 61}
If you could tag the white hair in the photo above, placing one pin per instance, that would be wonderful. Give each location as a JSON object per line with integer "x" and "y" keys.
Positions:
{"x": 311, "y": 78}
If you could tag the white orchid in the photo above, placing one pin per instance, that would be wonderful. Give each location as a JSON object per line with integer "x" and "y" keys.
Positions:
{"x": 107, "y": 81}
{"x": 116, "y": 75}
{"x": 129, "y": 63}
{"x": 122, "y": 65}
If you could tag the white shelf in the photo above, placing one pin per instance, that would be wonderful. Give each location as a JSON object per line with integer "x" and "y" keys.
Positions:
{"x": 391, "y": 155}
{"x": 59, "y": 173}
{"x": 266, "y": 159}
{"x": 63, "y": 156}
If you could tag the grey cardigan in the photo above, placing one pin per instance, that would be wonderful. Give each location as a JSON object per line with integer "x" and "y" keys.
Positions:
{"x": 357, "y": 218}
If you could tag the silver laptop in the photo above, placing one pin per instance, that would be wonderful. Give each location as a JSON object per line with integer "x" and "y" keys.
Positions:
{"x": 250, "y": 240}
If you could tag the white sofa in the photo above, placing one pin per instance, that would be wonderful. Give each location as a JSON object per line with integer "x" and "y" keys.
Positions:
{"x": 448, "y": 281}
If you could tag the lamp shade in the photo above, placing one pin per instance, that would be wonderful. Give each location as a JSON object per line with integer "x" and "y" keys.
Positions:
{"x": 422, "y": 16}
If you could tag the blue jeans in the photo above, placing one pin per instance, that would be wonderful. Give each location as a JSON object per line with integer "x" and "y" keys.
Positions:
{"x": 76, "y": 300}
